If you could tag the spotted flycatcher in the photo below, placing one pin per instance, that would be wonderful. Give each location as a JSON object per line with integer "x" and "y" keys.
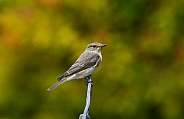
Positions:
{"x": 84, "y": 66}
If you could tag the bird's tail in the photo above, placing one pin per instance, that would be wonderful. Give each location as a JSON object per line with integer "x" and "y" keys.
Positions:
{"x": 56, "y": 85}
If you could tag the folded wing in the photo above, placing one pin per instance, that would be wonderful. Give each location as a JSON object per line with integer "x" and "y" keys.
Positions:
{"x": 86, "y": 60}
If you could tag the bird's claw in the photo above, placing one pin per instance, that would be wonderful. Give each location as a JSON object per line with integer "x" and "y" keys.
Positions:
{"x": 88, "y": 80}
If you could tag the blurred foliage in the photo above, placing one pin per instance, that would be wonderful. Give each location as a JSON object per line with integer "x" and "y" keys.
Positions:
{"x": 141, "y": 76}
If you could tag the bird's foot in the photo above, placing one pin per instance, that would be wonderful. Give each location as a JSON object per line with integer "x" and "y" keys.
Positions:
{"x": 88, "y": 80}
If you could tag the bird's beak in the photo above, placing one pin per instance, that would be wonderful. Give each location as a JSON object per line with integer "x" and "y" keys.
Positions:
{"x": 103, "y": 45}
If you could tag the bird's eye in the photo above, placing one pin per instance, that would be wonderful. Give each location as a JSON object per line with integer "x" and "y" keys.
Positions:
{"x": 94, "y": 46}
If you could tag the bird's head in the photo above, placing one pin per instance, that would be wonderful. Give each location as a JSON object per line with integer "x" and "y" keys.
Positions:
{"x": 96, "y": 46}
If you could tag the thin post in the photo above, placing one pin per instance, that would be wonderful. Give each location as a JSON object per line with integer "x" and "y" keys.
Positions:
{"x": 88, "y": 81}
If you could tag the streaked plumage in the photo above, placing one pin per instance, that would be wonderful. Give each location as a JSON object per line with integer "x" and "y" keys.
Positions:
{"x": 84, "y": 66}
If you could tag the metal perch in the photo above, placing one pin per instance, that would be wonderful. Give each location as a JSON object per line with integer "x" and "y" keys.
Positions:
{"x": 85, "y": 115}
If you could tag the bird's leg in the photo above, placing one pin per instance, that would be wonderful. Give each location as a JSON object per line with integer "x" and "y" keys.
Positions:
{"x": 88, "y": 79}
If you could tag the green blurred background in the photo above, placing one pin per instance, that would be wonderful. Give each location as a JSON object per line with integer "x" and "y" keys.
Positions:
{"x": 141, "y": 76}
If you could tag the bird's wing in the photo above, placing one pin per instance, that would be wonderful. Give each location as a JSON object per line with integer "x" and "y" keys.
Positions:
{"x": 85, "y": 61}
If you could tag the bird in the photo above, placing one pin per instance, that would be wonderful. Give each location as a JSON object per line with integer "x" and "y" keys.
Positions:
{"x": 84, "y": 66}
